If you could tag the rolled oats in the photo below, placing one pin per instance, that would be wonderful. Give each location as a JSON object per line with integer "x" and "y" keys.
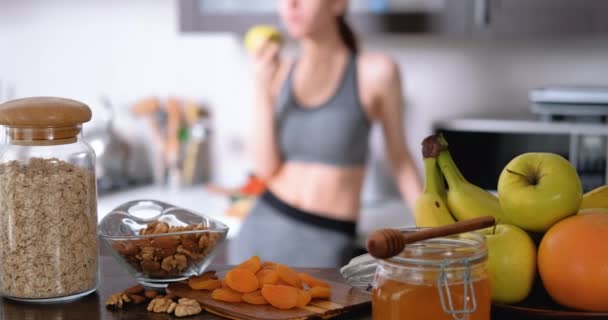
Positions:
{"x": 48, "y": 241}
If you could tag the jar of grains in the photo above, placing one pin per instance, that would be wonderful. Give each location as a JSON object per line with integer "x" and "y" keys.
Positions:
{"x": 48, "y": 201}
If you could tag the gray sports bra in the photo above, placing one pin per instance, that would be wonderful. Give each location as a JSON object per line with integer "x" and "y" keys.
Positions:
{"x": 335, "y": 132}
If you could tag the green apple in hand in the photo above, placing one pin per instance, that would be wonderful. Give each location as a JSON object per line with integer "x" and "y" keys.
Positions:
{"x": 536, "y": 190}
{"x": 511, "y": 263}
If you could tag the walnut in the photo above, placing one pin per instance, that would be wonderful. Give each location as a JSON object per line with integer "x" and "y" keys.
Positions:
{"x": 187, "y": 307}
{"x": 203, "y": 241}
{"x": 147, "y": 253}
{"x": 161, "y": 305}
{"x": 175, "y": 262}
{"x": 193, "y": 255}
{"x": 156, "y": 227}
{"x": 117, "y": 301}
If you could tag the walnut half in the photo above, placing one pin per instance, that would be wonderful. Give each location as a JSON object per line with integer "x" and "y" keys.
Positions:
{"x": 117, "y": 301}
{"x": 187, "y": 307}
{"x": 161, "y": 305}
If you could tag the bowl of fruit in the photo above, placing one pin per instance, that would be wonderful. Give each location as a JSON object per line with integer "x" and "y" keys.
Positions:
{"x": 548, "y": 254}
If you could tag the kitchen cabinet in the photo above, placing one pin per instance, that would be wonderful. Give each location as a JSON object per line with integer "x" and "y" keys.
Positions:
{"x": 365, "y": 16}
{"x": 453, "y": 17}
{"x": 539, "y": 17}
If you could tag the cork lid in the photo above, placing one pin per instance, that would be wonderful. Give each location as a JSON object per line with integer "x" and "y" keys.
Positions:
{"x": 43, "y": 120}
{"x": 44, "y": 112}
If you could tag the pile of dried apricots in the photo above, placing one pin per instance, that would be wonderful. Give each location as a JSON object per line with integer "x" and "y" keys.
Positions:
{"x": 260, "y": 283}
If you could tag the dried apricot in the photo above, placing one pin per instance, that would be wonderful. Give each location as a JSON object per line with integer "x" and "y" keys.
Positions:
{"x": 227, "y": 295}
{"x": 211, "y": 284}
{"x": 288, "y": 275}
{"x": 303, "y": 299}
{"x": 253, "y": 264}
{"x": 281, "y": 297}
{"x": 320, "y": 293}
{"x": 312, "y": 282}
{"x": 269, "y": 265}
{"x": 267, "y": 276}
{"x": 242, "y": 280}
{"x": 255, "y": 297}
{"x": 224, "y": 284}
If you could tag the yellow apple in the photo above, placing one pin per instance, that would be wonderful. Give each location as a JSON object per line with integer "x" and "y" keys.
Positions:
{"x": 260, "y": 33}
{"x": 536, "y": 190}
{"x": 511, "y": 263}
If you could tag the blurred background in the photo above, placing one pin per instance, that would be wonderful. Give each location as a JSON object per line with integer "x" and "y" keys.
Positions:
{"x": 499, "y": 77}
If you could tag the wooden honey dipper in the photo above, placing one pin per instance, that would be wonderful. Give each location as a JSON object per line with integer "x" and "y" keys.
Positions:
{"x": 387, "y": 243}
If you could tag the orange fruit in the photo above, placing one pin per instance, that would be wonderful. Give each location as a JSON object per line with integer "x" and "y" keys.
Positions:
{"x": 573, "y": 262}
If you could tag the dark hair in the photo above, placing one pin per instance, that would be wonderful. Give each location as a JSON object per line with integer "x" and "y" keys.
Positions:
{"x": 347, "y": 34}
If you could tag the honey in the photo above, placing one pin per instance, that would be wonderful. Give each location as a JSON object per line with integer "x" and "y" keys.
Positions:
{"x": 394, "y": 300}
{"x": 438, "y": 279}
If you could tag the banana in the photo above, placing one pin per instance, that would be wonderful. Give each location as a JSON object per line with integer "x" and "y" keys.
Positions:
{"x": 597, "y": 198}
{"x": 466, "y": 200}
{"x": 431, "y": 209}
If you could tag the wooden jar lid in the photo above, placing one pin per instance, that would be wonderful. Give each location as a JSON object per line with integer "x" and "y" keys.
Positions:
{"x": 44, "y": 118}
{"x": 44, "y": 112}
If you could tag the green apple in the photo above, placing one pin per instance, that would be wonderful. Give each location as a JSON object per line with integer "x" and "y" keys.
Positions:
{"x": 260, "y": 33}
{"x": 536, "y": 190}
{"x": 511, "y": 263}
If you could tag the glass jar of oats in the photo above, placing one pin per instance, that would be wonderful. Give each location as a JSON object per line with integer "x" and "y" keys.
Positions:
{"x": 48, "y": 201}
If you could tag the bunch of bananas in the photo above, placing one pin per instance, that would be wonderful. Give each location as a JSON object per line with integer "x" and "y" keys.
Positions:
{"x": 464, "y": 200}
{"x": 595, "y": 200}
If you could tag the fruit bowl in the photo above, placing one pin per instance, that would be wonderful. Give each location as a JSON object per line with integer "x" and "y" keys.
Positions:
{"x": 159, "y": 243}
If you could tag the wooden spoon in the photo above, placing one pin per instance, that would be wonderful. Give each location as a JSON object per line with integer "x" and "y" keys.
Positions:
{"x": 387, "y": 243}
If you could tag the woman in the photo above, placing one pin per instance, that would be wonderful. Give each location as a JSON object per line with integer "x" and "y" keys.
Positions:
{"x": 310, "y": 138}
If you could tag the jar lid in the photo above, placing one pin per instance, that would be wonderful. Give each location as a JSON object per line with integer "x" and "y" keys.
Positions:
{"x": 43, "y": 120}
{"x": 445, "y": 252}
{"x": 44, "y": 112}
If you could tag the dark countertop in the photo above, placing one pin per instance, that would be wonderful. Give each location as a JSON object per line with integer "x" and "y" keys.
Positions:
{"x": 114, "y": 279}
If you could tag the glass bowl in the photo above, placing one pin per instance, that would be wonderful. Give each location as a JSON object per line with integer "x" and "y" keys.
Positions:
{"x": 159, "y": 243}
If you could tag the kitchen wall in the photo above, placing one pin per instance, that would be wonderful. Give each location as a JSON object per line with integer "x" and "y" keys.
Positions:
{"x": 131, "y": 49}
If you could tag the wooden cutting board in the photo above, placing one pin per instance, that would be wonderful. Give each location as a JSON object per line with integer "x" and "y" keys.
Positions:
{"x": 344, "y": 299}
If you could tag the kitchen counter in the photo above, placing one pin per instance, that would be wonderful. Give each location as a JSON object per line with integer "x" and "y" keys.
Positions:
{"x": 114, "y": 279}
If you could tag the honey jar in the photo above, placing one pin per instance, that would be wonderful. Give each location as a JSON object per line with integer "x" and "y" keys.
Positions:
{"x": 441, "y": 279}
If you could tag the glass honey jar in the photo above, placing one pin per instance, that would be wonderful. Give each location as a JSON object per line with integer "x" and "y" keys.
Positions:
{"x": 441, "y": 279}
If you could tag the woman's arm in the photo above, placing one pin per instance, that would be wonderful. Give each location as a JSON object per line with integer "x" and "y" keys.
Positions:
{"x": 264, "y": 145}
{"x": 388, "y": 108}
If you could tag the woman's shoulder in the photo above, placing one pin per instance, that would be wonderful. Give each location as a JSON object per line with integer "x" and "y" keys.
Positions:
{"x": 377, "y": 68}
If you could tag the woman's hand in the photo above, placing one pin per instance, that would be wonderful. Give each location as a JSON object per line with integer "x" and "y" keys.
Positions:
{"x": 266, "y": 63}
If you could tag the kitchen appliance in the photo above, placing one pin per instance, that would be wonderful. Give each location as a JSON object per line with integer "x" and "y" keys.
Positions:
{"x": 579, "y": 104}
{"x": 585, "y": 105}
